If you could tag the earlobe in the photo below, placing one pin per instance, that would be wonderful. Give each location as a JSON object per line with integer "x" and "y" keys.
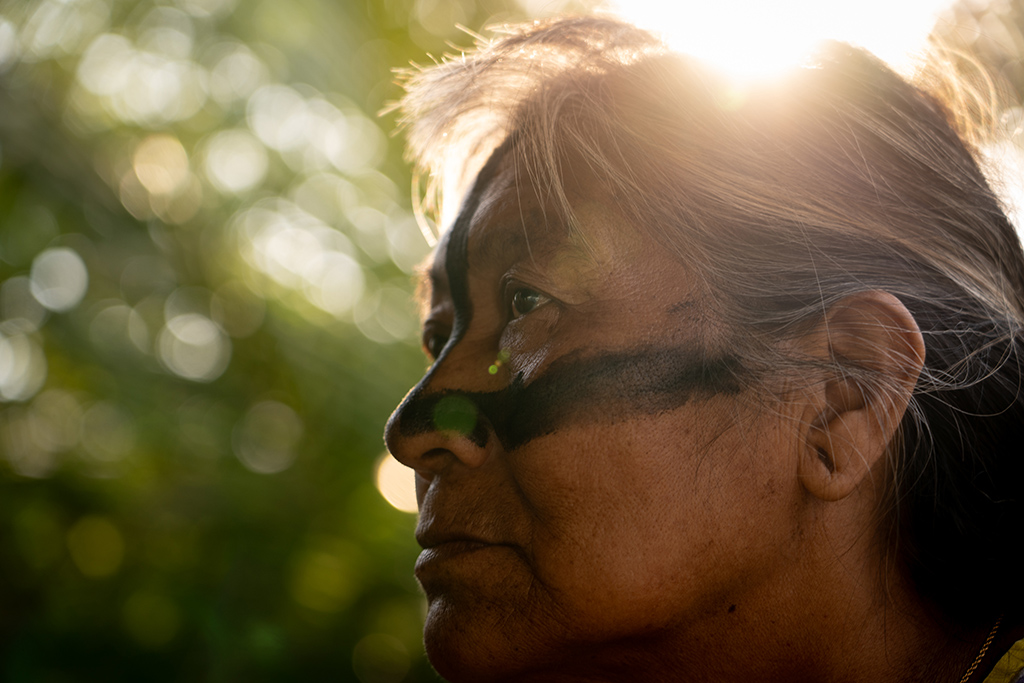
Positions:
{"x": 875, "y": 352}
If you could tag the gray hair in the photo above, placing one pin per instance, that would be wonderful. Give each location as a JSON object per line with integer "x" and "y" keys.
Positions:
{"x": 786, "y": 198}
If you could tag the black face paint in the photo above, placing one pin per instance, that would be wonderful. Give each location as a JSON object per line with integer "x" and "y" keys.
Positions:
{"x": 456, "y": 246}
{"x": 456, "y": 262}
{"x": 575, "y": 389}
{"x": 603, "y": 388}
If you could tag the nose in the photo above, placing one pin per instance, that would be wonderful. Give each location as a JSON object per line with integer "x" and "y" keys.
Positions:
{"x": 438, "y": 424}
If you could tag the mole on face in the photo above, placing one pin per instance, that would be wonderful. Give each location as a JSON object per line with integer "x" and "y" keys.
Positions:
{"x": 601, "y": 388}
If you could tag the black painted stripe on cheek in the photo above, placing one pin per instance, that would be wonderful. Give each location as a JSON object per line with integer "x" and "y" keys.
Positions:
{"x": 605, "y": 388}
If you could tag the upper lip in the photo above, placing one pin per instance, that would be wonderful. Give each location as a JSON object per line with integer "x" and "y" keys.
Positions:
{"x": 432, "y": 537}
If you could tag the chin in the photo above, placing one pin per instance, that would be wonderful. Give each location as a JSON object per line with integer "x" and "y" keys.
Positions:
{"x": 480, "y": 643}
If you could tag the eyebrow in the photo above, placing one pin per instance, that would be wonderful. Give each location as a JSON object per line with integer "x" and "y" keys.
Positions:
{"x": 511, "y": 237}
{"x": 495, "y": 242}
{"x": 502, "y": 238}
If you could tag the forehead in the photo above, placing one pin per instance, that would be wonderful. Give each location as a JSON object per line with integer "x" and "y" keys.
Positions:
{"x": 512, "y": 218}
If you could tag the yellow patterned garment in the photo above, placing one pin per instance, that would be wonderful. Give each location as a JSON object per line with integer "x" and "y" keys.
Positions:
{"x": 1010, "y": 668}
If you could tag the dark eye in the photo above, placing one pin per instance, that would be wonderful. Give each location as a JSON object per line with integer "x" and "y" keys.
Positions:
{"x": 525, "y": 300}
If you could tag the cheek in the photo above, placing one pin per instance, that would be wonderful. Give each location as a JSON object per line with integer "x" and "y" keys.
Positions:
{"x": 641, "y": 522}
{"x": 530, "y": 341}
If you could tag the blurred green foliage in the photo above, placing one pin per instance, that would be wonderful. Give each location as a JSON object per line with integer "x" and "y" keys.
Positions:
{"x": 205, "y": 258}
{"x": 206, "y": 252}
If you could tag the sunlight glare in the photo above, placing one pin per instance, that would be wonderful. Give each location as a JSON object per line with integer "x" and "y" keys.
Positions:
{"x": 750, "y": 39}
{"x": 397, "y": 484}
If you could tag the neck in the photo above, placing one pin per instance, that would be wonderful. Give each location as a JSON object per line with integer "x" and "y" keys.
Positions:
{"x": 828, "y": 614}
{"x": 859, "y": 640}
{"x": 832, "y": 618}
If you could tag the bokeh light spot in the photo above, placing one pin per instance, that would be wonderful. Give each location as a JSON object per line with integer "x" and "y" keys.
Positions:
{"x": 151, "y": 619}
{"x": 387, "y": 316}
{"x": 323, "y": 581}
{"x": 179, "y": 207}
{"x": 193, "y": 347}
{"x": 397, "y": 483}
{"x": 102, "y": 69}
{"x": 335, "y": 283}
{"x": 108, "y": 434}
{"x": 440, "y": 17}
{"x": 265, "y": 439}
{"x": 380, "y": 658}
{"x": 134, "y": 196}
{"x": 57, "y": 27}
{"x": 117, "y": 329}
{"x": 9, "y": 47}
{"x": 161, "y": 164}
{"x": 297, "y": 250}
{"x": 23, "y": 366}
{"x": 96, "y": 546}
{"x": 206, "y": 8}
{"x": 167, "y": 31}
{"x": 55, "y": 420}
{"x": 406, "y": 244}
{"x": 17, "y": 302}
{"x": 354, "y": 143}
{"x": 59, "y": 278}
{"x": 143, "y": 86}
{"x": 236, "y": 74}
{"x": 278, "y": 115}
{"x": 19, "y": 446}
{"x": 326, "y": 196}
{"x": 185, "y": 300}
{"x": 235, "y": 161}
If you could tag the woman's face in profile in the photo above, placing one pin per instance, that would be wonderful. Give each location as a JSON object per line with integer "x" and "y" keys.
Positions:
{"x": 591, "y": 473}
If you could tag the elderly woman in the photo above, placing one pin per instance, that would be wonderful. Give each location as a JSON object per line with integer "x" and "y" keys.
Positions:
{"x": 726, "y": 386}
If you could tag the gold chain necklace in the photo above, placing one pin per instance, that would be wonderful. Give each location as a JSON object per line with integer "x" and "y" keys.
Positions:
{"x": 984, "y": 649}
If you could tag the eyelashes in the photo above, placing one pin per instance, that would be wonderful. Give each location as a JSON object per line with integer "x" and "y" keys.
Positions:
{"x": 520, "y": 301}
{"x": 434, "y": 344}
{"x": 525, "y": 300}
{"x": 435, "y": 338}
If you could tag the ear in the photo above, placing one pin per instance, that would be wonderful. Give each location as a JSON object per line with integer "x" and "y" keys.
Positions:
{"x": 876, "y": 350}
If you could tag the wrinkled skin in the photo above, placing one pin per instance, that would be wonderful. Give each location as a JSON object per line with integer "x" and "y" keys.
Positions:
{"x": 595, "y": 487}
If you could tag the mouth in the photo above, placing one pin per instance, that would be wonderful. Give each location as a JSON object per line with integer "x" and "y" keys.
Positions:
{"x": 440, "y": 551}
